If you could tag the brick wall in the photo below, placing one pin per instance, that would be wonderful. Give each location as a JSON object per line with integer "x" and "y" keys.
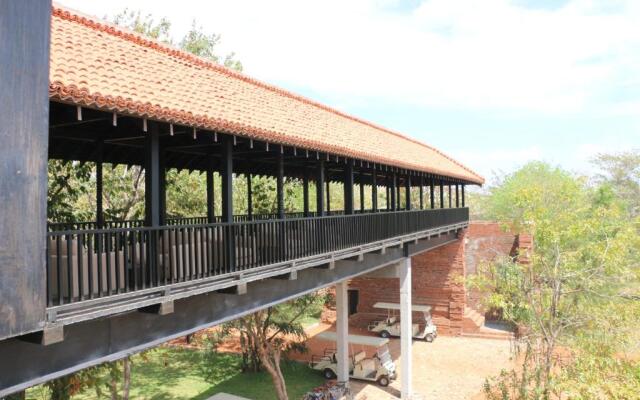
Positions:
{"x": 437, "y": 280}
{"x": 437, "y": 275}
{"x": 485, "y": 241}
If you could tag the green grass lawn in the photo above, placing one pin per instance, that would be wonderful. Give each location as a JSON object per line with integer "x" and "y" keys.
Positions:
{"x": 175, "y": 373}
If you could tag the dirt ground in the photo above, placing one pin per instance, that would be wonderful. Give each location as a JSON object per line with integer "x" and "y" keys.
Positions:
{"x": 451, "y": 368}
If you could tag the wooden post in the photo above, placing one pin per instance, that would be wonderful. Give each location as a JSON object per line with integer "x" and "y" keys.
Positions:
{"x": 388, "y": 196}
{"x": 227, "y": 201}
{"x": 441, "y": 194}
{"x": 450, "y": 204}
{"x": 328, "y": 194}
{"x": 249, "y": 197}
{"x": 463, "y": 201}
{"x": 422, "y": 192}
{"x": 361, "y": 192}
{"x": 280, "y": 185}
{"x": 393, "y": 192}
{"x": 374, "y": 190}
{"x": 407, "y": 187}
{"x": 99, "y": 184}
{"x": 320, "y": 189}
{"x": 24, "y": 118}
{"x": 398, "y": 190}
{"x": 227, "y": 180}
{"x": 432, "y": 194}
{"x": 162, "y": 180}
{"x": 348, "y": 188}
{"x": 211, "y": 202}
{"x": 305, "y": 192}
{"x": 152, "y": 177}
{"x": 457, "y": 196}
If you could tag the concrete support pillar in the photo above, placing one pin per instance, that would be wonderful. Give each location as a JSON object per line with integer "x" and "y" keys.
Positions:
{"x": 342, "y": 331}
{"x": 405, "y": 328}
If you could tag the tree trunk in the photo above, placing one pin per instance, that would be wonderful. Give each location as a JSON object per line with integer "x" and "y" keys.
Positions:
{"x": 59, "y": 388}
{"x": 17, "y": 396}
{"x": 271, "y": 363}
{"x": 126, "y": 367}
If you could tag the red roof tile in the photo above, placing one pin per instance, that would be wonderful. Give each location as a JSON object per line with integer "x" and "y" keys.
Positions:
{"x": 96, "y": 64}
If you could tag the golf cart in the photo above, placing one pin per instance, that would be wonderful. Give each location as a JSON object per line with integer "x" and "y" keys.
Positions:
{"x": 380, "y": 368}
{"x": 391, "y": 325}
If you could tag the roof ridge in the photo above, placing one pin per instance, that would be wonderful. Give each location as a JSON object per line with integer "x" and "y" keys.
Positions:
{"x": 139, "y": 39}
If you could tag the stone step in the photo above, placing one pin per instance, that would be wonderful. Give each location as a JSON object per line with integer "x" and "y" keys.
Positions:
{"x": 473, "y": 320}
{"x": 489, "y": 335}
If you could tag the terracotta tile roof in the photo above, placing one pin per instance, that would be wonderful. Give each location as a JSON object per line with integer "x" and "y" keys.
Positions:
{"x": 96, "y": 64}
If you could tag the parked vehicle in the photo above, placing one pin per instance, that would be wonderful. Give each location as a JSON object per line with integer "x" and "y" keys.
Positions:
{"x": 379, "y": 368}
{"x": 391, "y": 325}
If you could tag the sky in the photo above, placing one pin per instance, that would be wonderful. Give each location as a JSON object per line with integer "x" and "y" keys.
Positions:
{"x": 493, "y": 83}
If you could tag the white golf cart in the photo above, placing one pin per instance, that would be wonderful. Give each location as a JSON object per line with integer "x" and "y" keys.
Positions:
{"x": 380, "y": 368}
{"x": 391, "y": 325}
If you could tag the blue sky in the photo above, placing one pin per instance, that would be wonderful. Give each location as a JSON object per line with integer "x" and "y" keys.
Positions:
{"x": 494, "y": 83}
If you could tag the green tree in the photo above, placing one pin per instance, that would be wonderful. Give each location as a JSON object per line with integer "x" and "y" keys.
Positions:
{"x": 267, "y": 334}
{"x": 621, "y": 171}
{"x": 585, "y": 258}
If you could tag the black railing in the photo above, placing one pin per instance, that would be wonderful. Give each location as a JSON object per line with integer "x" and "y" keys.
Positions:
{"x": 85, "y": 225}
{"x": 90, "y": 263}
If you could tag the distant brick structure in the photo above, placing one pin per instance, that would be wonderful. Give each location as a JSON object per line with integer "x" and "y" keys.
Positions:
{"x": 438, "y": 278}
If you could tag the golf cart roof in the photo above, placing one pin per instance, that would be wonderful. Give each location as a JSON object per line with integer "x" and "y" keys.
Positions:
{"x": 226, "y": 396}
{"x": 396, "y": 306}
{"x": 354, "y": 339}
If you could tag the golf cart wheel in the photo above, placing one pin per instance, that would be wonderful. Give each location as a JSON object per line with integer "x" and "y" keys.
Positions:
{"x": 385, "y": 334}
{"x": 383, "y": 381}
{"x": 328, "y": 374}
{"x": 429, "y": 338}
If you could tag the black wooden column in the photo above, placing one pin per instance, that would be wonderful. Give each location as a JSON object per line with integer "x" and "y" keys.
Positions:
{"x": 393, "y": 192}
{"x": 432, "y": 194}
{"x": 348, "y": 188}
{"x": 463, "y": 201}
{"x": 328, "y": 182}
{"x": 407, "y": 189}
{"x": 388, "y": 195}
{"x": 441, "y": 194}
{"x": 320, "y": 189}
{"x": 305, "y": 192}
{"x": 450, "y": 197}
{"x": 280, "y": 184}
{"x": 249, "y": 197}
{"x": 422, "y": 192}
{"x": 361, "y": 192}
{"x": 374, "y": 190}
{"x": 152, "y": 177}
{"x": 24, "y": 118}
{"x": 226, "y": 173}
{"x": 457, "y": 196}
{"x": 211, "y": 202}
{"x": 99, "y": 184}
{"x": 162, "y": 176}
{"x": 227, "y": 179}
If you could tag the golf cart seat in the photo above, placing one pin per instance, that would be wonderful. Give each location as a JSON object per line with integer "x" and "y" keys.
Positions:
{"x": 359, "y": 356}
{"x": 391, "y": 320}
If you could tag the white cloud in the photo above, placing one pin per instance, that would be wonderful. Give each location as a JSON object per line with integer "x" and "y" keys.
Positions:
{"x": 498, "y": 160}
{"x": 488, "y": 55}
